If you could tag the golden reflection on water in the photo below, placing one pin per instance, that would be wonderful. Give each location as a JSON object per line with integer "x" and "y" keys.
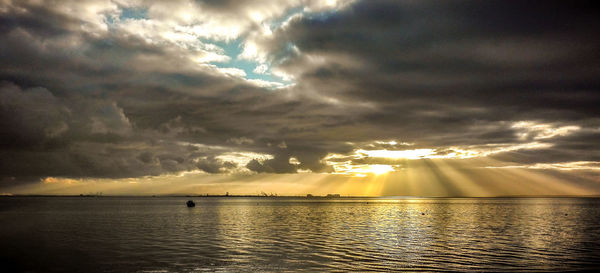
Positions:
{"x": 301, "y": 234}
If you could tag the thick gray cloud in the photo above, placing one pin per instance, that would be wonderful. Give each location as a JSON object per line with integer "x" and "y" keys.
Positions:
{"x": 84, "y": 98}
{"x": 443, "y": 74}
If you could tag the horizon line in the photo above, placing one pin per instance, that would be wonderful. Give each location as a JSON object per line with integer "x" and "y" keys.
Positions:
{"x": 293, "y": 196}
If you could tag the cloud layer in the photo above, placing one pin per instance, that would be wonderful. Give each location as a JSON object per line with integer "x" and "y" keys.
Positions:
{"x": 125, "y": 89}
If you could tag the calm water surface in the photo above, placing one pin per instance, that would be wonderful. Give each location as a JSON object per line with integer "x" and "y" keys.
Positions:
{"x": 42, "y": 234}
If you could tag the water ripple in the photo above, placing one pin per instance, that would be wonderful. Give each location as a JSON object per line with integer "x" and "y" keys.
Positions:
{"x": 291, "y": 235}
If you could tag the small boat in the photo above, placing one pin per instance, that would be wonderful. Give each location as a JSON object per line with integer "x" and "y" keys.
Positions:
{"x": 190, "y": 204}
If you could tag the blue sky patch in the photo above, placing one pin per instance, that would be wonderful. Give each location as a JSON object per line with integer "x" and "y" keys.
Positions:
{"x": 233, "y": 49}
{"x": 133, "y": 13}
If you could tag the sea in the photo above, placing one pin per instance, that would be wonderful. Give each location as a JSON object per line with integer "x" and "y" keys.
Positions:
{"x": 296, "y": 234}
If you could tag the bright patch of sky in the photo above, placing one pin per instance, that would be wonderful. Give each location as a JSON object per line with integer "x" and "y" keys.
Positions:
{"x": 255, "y": 71}
{"x": 233, "y": 49}
{"x": 127, "y": 14}
{"x": 133, "y": 13}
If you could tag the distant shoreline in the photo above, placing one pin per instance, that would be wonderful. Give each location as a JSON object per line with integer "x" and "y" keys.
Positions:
{"x": 300, "y": 196}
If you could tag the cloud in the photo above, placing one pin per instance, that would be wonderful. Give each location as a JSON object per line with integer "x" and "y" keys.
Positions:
{"x": 261, "y": 69}
{"x": 132, "y": 89}
{"x": 276, "y": 165}
{"x": 213, "y": 165}
{"x": 240, "y": 140}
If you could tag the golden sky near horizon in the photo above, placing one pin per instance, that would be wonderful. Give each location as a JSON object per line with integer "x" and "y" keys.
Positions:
{"x": 292, "y": 97}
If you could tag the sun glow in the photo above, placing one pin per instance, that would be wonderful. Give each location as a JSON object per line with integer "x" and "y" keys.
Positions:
{"x": 407, "y": 154}
{"x": 427, "y": 177}
{"x": 362, "y": 162}
{"x": 378, "y": 169}
{"x": 362, "y": 170}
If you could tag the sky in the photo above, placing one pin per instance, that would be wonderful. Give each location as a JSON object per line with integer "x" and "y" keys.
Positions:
{"x": 361, "y": 98}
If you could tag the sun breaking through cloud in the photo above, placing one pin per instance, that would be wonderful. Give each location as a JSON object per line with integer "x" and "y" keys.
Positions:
{"x": 358, "y": 97}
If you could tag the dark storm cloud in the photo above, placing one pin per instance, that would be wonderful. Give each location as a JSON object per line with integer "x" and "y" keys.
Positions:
{"x": 309, "y": 158}
{"x": 275, "y": 165}
{"x": 38, "y": 19}
{"x": 433, "y": 74}
{"x": 214, "y": 165}
{"x": 438, "y": 71}
{"x": 581, "y": 146}
{"x": 45, "y": 135}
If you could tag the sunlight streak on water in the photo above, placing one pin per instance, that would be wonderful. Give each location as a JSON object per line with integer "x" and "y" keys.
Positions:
{"x": 296, "y": 234}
